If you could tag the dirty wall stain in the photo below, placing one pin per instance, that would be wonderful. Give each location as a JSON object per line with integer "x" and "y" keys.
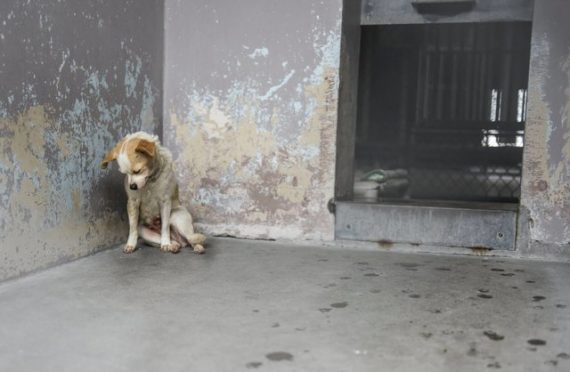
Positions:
{"x": 256, "y": 162}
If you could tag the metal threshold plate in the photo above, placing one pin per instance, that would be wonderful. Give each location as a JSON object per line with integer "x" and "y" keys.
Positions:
{"x": 450, "y": 226}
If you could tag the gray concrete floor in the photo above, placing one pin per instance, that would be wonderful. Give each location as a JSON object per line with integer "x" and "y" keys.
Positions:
{"x": 272, "y": 307}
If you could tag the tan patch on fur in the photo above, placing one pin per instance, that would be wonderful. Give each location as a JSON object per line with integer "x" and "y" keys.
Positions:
{"x": 139, "y": 151}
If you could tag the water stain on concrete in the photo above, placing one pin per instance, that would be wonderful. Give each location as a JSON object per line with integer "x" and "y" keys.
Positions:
{"x": 538, "y": 298}
{"x": 485, "y": 296}
{"x": 371, "y": 274}
{"x": 253, "y": 365}
{"x": 414, "y": 296}
{"x": 408, "y": 265}
{"x": 536, "y": 342}
{"x": 339, "y": 305}
{"x": 279, "y": 356}
{"x": 494, "y": 336}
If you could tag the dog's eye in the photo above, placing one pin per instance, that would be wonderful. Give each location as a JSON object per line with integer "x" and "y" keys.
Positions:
{"x": 137, "y": 171}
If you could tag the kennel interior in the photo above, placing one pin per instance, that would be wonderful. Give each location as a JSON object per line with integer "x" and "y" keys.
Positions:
{"x": 442, "y": 111}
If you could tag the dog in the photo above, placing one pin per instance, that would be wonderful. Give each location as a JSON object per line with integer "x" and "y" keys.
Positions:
{"x": 154, "y": 209}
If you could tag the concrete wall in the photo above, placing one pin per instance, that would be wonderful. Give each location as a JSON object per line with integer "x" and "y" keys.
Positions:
{"x": 75, "y": 76}
{"x": 250, "y": 108}
{"x": 546, "y": 178}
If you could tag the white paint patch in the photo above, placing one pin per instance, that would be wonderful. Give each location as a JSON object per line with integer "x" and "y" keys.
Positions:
{"x": 259, "y": 52}
{"x": 275, "y": 88}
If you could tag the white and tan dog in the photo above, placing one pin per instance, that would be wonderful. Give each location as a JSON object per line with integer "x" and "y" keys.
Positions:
{"x": 154, "y": 209}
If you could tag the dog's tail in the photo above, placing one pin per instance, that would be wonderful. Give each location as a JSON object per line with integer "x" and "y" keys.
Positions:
{"x": 196, "y": 239}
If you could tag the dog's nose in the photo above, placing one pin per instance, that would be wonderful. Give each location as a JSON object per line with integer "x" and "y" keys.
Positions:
{"x": 133, "y": 186}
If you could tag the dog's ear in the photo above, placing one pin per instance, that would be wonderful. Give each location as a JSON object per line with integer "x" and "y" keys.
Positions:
{"x": 112, "y": 155}
{"x": 146, "y": 147}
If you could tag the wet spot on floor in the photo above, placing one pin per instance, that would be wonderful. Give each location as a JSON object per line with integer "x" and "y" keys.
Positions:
{"x": 345, "y": 278}
{"x": 414, "y": 296}
{"x": 443, "y": 269}
{"x": 538, "y": 298}
{"x": 371, "y": 274}
{"x": 494, "y": 336}
{"x": 508, "y": 274}
{"x": 497, "y": 269}
{"x": 325, "y": 309}
{"x": 560, "y": 306}
{"x": 339, "y": 305}
{"x": 408, "y": 265}
{"x": 280, "y": 356}
{"x": 536, "y": 342}
{"x": 495, "y": 365}
{"x": 252, "y": 365}
{"x": 485, "y": 296}
{"x": 563, "y": 356}
{"x": 472, "y": 352}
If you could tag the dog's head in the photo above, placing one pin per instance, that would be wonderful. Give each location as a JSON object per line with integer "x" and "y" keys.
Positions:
{"x": 135, "y": 155}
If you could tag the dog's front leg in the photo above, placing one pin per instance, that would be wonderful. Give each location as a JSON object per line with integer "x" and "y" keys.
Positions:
{"x": 165, "y": 245}
{"x": 133, "y": 206}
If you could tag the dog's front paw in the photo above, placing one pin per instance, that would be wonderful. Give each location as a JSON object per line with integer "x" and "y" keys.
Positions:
{"x": 173, "y": 247}
{"x": 198, "y": 248}
{"x": 129, "y": 248}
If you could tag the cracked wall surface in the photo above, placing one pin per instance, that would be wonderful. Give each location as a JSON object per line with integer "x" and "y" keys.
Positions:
{"x": 75, "y": 77}
{"x": 545, "y": 198}
{"x": 250, "y": 108}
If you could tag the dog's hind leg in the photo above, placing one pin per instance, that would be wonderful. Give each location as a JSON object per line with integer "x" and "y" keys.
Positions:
{"x": 152, "y": 238}
{"x": 181, "y": 220}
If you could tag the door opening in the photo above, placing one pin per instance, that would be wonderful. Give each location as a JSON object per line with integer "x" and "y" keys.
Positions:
{"x": 441, "y": 112}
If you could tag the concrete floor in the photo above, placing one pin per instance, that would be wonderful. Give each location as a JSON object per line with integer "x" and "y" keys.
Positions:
{"x": 272, "y": 307}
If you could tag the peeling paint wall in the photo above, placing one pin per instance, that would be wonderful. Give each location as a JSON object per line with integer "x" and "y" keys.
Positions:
{"x": 75, "y": 76}
{"x": 546, "y": 179}
{"x": 250, "y": 108}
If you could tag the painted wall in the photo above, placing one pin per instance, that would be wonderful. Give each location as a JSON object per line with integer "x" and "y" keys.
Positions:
{"x": 546, "y": 178}
{"x": 250, "y": 107}
{"x": 75, "y": 76}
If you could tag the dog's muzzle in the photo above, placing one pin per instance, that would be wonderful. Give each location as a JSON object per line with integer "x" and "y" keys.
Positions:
{"x": 133, "y": 186}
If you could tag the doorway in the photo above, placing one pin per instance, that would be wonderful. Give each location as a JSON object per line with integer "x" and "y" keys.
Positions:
{"x": 439, "y": 134}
